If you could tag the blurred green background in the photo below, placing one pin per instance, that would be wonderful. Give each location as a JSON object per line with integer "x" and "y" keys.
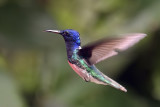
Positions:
{"x": 33, "y": 65}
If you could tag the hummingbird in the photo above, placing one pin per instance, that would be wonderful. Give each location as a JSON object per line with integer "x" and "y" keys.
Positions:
{"x": 83, "y": 59}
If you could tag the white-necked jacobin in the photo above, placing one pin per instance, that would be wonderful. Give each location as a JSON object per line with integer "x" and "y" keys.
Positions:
{"x": 82, "y": 60}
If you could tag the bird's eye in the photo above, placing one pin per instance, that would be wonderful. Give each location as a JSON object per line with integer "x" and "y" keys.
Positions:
{"x": 66, "y": 33}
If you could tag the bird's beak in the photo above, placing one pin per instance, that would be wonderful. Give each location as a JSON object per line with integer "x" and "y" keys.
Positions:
{"x": 53, "y": 31}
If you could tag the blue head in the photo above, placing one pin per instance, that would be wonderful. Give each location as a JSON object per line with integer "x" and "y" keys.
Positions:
{"x": 71, "y": 38}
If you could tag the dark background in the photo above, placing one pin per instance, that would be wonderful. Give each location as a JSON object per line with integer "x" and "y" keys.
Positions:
{"x": 33, "y": 65}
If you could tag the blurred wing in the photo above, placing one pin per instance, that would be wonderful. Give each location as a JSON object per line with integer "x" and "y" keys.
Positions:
{"x": 106, "y": 48}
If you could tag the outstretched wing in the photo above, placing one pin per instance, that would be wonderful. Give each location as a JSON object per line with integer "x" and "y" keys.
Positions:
{"x": 100, "y": 50}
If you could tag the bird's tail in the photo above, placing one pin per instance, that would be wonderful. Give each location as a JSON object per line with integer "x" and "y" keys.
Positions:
{"x": 114, "y": 84}
{"x": 100, "y": 78}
